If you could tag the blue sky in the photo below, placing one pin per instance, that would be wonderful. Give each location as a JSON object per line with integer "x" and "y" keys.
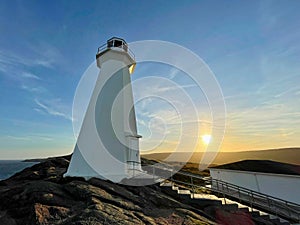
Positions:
{"x": 252, "y": 47}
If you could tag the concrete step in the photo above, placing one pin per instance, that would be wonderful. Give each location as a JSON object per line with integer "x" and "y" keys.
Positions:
{"x": 210, "y": 203}
{"x": 206, "y": 196}
{"x": 285, "y": 223}
{"x": 230, "y": 207}
{"x": 166, "y": 184}
{"x": 276, "y": 221}
{"x": 183, "y": 192}
{"x": 202, "y": 203}
{"x": 261, "y": 221}
{"x": 254, "y": 213}
{"x": 174, "y": 188}
{"x": 265, "y": 217}
{"x": 244, "y": 209}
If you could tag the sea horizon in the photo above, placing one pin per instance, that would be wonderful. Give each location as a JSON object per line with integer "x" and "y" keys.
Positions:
{"x": 10, "y": 167}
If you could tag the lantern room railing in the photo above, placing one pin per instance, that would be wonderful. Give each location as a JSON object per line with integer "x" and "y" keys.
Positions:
{"x": 114, "y": 43}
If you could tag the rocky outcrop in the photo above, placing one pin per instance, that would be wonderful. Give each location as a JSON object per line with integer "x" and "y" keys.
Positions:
{"x": 40, "y": 195}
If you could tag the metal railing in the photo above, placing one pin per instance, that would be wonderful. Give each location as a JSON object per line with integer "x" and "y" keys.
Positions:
{"x": 133, "y": 166}
{"x": 124, "y": 47}
{"x": 274, "y": 205}
{"x": 253, "y": 199}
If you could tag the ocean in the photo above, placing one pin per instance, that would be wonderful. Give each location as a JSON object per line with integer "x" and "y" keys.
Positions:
{"x": 10, "y": 167}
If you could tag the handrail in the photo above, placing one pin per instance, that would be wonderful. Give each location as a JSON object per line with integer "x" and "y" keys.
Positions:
{"x": 279, "y": 207}
{"x": 133, "y": 164}
{"x": 271, "y": 204}
{"x": 237, "y": 187}
{"x": 256, "y": 192}
{"x": 131, "y": 161}
{"x": 101, "y": 48}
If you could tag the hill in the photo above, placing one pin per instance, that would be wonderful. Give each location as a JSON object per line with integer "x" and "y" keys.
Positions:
{"x": 262, "y": 166}
{"x": 284, "y": 155}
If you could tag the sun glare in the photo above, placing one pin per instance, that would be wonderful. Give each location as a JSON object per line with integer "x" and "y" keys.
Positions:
{"x": 206, "y": 139}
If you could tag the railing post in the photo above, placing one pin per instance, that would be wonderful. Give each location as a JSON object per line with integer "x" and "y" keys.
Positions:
{"x": 288, "y": 208}
{"x": 223, "y": 194}
{"x": 251, "y": 201}
{"x": 269, "y": 205}
{"x": 251, "y": 198}
{"x": 133, "y": 167}
{"x": 153, "y": 171}
{"x": 192, "y": 186}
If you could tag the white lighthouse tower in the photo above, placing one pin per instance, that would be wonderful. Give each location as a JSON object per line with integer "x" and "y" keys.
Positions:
{"x": 108, "y": 144}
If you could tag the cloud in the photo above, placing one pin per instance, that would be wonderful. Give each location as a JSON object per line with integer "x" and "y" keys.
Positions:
{"x": 163, "y": 88}
{"x": 12, "y": 60}
{"x": 290, "y": 90}
{"x": 38, "y": 110}
{"x": 42, "y": 138}
{"x": 46, "y": 55}
{"x": 19, "y": 138}
{"x": 51, "y": 110}
{"x": 38, "y": 89}
{"x": 173, "y": 73}
{"x": 30, "y": 76}
{"x": 266, "y": 120}
{"x": 28, "y": 138}
{"x": 12, "y": 64}
{"x": 165, "y": 111}
{"x": 8, "y": 63}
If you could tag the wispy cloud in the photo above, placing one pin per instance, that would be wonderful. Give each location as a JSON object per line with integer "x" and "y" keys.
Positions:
{"x": 288, "y": 91}
{"x": 8, "y": 63}
{"x": 19, "y": 138}
{"x": 173, "y": 73}
{"x": 46, "y": 55}
{"x": 37, "y": 89}
{"x": 30, "y": 76}
{"x": 12, "y": 60}
{"x": 51, "y": 110}
{"x": 28, "y": 138}
{"x": 17, "y": 64}
{"x": 162, "y": 88}
{"x": 274, "y": 122}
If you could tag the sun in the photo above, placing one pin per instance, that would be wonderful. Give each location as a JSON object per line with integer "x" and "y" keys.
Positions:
{"x": 206, "y": 139}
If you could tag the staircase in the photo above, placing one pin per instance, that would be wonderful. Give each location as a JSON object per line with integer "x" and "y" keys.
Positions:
{"x": 222, "y": 210}
{"x": 281, "y": 208}
{"x": 226, "y": 202}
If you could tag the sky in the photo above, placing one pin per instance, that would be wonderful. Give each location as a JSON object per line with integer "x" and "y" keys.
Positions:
{"x": 252, "y": 47}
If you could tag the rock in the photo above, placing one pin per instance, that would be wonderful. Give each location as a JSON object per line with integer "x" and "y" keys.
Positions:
{"x": 40, "y": 195}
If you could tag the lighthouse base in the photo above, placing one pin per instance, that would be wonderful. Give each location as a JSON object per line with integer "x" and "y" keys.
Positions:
{"x": 79, "y": 167}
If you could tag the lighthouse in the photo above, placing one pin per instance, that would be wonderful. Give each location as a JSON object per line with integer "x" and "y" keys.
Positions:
{"x": 107, "y": 146}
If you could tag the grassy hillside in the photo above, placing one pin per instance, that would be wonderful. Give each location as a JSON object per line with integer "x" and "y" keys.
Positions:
{"x": 285, "y": 155}
{"x": 263, "y": 166}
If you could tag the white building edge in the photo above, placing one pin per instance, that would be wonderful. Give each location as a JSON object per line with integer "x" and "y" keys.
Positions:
{"x": 286, "y": 187}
